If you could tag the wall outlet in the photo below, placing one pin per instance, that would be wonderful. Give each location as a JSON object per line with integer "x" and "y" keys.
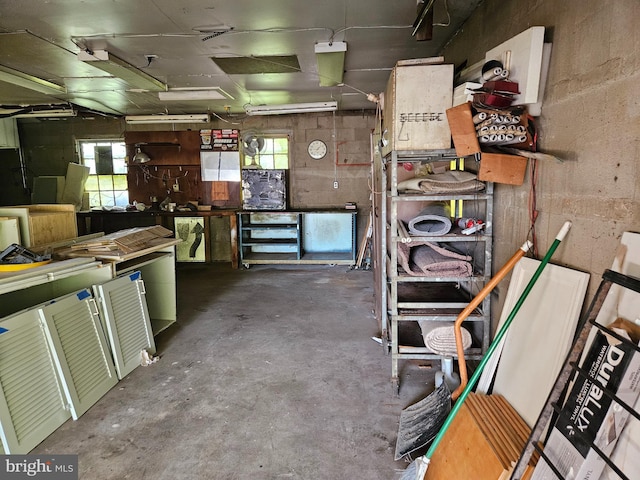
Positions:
{"x": 335, "y": 184}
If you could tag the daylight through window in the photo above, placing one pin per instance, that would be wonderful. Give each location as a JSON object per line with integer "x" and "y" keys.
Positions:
{"x": 107, "y": 182}
{"x": 273, "y": 155}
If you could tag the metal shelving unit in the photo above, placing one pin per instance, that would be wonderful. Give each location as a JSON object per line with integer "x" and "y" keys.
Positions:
{"x": 407, "y": 299}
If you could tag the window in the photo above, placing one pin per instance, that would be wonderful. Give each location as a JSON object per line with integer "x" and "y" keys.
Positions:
{"x": 107, "y": 182}
{"x": 273, "y": 155}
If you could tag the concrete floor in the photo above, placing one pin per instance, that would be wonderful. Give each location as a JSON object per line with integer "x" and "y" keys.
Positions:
{"x": 271, "y": 373}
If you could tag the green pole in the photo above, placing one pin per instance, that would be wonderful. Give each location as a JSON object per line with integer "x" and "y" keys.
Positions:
{"x": 494, "y": 344}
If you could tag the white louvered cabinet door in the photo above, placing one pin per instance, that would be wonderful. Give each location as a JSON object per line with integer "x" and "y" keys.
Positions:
{"x": 123, "y": 307}
{"x": 82, "y": 353}
{"x": 32, "y": 399}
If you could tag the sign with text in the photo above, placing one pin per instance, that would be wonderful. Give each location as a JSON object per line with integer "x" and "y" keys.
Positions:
{"x": 49, "y": 467}
{"x": 219, "y": 140}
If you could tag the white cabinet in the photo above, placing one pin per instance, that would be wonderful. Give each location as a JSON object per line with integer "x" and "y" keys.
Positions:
{"x": 124, "y": 313}
{"x": 80, "y": 350}
{"x": 32, "y": 399}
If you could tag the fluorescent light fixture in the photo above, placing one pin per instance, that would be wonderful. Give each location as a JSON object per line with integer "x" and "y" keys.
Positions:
{"x": 330, "y": 59}
{"x": 24, "y": 80}
{"x": 47, "y": 113}
{"x": 291, "y": 108}
{"x": 195, "y": 118}
{"x": 119, "y": 68}
{"x": 184, "y": 94}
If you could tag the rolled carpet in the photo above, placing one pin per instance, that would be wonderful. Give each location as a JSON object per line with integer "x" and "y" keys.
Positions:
{"x": 426, "y": 259}
{"x": 442, "y": 340}
{"x": 449, "y": 181}
{"x": 433, "y": 220}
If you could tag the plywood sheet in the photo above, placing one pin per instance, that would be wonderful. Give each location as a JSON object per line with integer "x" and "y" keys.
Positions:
{"x": 483, "y": 441}
{"x": 502, "y": 168}
{"x": 465, "y": 137}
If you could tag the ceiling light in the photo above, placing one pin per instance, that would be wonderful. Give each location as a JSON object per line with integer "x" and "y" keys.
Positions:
{"x": 140, "y": 156}
{"x": 196, "y": 118}
{"x": 291, "y": 108}
{"x": 206, "y": 93}
{"x": 330, "y": 59}
{"x": 119, "y": 68}
{"x": 62, "y": 112}
{"x": 24, "y": 80}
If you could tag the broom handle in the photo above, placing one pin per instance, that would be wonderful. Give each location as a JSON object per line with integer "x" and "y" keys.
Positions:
{"x": 496, "y": 341}
{"x": 462, "y": 365}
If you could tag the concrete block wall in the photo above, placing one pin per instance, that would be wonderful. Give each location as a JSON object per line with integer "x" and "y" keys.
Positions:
{"x": 347, "y": 161}
{"x": 590, "y": 119}
{"x": 48, "y": 146}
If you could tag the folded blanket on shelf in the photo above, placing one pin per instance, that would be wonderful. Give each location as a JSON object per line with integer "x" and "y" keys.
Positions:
{"x": 426, "y": 259}
{"x": 449, "y": 181}
{"x": 433, "y": 220}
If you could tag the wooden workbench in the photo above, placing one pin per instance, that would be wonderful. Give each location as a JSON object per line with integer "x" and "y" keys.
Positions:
{"x": 112, "y": 221}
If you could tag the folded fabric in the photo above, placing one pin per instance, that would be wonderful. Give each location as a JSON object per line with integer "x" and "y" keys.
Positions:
{"x": 426, "y": 259}
{"x": 449, "y": 181}
{"x": 432, "y": 220}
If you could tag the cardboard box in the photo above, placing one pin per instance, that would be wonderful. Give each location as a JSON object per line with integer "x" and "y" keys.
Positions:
{"x": 588, "y": 416}
{"x": 417, "y": 96}
{"x": 493, "y": 167}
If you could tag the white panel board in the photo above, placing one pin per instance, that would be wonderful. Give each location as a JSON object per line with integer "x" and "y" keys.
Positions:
{"x": 32, "y": 400}
{"x": 220, "y": 166}
{"x": 540, "y": 335}
{"x": 522, "y": 56}
{"x": 81, "y": 351}
{"x": 123, "y": 307}
{"x": 9, "y": 231}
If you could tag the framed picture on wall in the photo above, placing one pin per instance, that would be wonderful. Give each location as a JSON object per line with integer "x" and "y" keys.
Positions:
{"x": 191, "y": 231}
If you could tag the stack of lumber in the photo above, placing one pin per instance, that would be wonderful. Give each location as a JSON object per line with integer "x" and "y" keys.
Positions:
{"x": 483, "y": 442}
{"x": 122, "y": 242}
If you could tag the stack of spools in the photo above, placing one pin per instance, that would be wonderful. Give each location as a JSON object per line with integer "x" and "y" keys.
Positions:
{"x": 493, "y": 128}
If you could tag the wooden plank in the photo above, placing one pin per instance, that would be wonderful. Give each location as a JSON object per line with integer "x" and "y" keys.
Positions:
{"x": 220, "y": 190}
{"x": 464, "y": 452}
{"x": 502, "y": 168}
{"x": 465, "y": 138}
{"x": 498, "y": 444}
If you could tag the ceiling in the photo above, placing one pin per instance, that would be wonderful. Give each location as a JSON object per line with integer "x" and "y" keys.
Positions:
{"x": 174, "y": 42}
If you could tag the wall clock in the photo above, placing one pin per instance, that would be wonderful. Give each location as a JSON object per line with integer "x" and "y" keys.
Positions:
{"x": 317, "y": 149}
